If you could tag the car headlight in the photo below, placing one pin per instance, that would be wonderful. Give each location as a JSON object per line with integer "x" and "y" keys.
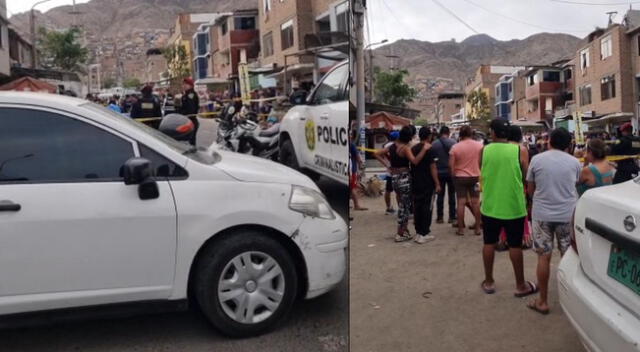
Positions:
{"x": 309, "y": 202}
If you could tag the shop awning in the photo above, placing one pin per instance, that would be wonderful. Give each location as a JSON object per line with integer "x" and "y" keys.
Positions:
{"x": 610, "y": 118}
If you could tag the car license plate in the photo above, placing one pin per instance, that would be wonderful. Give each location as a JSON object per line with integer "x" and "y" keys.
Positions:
{"x": 624, "y": 267}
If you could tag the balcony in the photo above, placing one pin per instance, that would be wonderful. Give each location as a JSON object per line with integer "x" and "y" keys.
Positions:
{"x": 540, "y": 88}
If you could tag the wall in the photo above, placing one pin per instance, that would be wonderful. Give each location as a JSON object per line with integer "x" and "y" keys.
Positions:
{"x": 5, "y": 66}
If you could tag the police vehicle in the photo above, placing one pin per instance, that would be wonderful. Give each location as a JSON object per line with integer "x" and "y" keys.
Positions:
{"x": 314, "y": 135}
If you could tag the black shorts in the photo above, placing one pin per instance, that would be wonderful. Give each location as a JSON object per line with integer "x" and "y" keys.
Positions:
{"x": 491, "y": 228}
{"x": 389, "y": 185}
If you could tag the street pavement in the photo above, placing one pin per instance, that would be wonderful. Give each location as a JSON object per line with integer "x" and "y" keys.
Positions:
{"x": 315, "y": 325}
{"x": 412, "y": 297}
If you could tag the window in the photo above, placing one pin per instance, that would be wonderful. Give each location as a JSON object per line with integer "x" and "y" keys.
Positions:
{"x": 224, "y": 27}
{"x": 46, "y": 147}
{"x": 241, "y": 23}
{"x": 550, "y": 76}
{"x": 584, "y": 59}
{"x": 323, "y": 24}
{"x": 608, "y": 87}
{"x": 531, "y": 80}
{"x": 163, "y": 166}
{"x": 286, "y": 34}
{"x": 332, "y": 89}
{"x": 567, "y": 75}
{"x": 267, "y": 44}
{"x": 606, "y": 47}
{"x": 639, "y": 44}
{"x": 1, "y": 32}
{"x": 342, "y": 18}
{"x": 585, "y": 95}
{"x": 267, "y": 6}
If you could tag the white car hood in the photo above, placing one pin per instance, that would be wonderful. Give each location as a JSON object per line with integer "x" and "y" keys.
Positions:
{"x": 253, "y": 169}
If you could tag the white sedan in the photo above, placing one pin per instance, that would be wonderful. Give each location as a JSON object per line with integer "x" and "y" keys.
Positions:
{"x": 97, "y": 209}
{"x": 599, "y": 278}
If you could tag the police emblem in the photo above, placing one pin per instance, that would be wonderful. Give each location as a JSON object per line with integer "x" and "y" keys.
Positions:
{"x": 310, "y": 133}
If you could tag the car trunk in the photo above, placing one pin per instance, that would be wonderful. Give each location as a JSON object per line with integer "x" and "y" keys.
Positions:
{"x": 601, "y": 215}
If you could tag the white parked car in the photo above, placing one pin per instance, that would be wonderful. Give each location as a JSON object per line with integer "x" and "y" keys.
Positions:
{"x": 314, "y": 136}
{"x": 97, "y": 209}
{"x": 599, "y": 277}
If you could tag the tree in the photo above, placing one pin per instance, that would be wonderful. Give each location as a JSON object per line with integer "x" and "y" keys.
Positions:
{"x": 109, "y": 82}
{"x": 61, "y": 50}
{"x": 479, "y": 103}
{"x": 421, "y": 122}
{"x": 132, "y": 83}
{"x": 177, "y": 61}
{"x": 391, "y": 88}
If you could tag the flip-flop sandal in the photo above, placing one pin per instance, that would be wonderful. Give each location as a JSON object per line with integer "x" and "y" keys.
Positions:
{"x": 486, "y": 289}
{"x": 534, "y": 306}
{"x": 533, "y": 289}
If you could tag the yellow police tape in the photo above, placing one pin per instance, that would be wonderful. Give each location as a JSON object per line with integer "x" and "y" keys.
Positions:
{"x": 609, "y": 158}
{"x": 206, "y": 115}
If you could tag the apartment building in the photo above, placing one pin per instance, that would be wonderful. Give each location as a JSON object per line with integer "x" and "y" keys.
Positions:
{"x": 604, "y": 78}
{"x": 5, "y": 61}
{"x": 183, "y": 30}
{"x": 289, "y": 27}
{"x": 543, "y": 94}
{"x": 510, "y": 97}
{"x": 485, "y": 79}
{"x": 20, "y": 50}
{"x": 234, "y": 35}
{"x": 449, "y": 104}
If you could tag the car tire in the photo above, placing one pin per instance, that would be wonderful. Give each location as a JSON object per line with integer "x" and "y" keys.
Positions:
{"x": 220, "y": 275}
{"x": 288, "y": 155}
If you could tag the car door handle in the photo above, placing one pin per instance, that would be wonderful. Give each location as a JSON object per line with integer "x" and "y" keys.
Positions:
{"x": 324, "y": 116}
{"x": 303, "y": 118}
{"x": 7, "y": 205}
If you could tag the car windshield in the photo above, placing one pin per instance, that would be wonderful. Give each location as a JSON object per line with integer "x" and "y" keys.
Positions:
{"x": 197, "y": 154}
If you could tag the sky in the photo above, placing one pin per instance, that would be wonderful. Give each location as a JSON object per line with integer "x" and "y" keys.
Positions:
{"x": 16, "y": 6}
{"x": 502, "y": 19}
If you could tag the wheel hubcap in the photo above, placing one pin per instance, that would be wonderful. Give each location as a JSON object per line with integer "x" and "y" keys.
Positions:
{"x": 251, "y": 287}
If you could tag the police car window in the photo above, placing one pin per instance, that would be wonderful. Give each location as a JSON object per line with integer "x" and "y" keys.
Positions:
{"x": 331, "y": 88}
{"x": 163, "y": 166}
{"x": 41, "y": 146}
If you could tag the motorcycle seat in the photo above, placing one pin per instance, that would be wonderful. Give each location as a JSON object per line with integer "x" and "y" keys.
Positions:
{"x": 268, "y": 133}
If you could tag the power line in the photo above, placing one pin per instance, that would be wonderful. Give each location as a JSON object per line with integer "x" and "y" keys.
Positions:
{"x": 396, "y": 17}
{"x": 456, "y": 16}
{"x": 523, "y": 22}
{"x": 596, "y": 4}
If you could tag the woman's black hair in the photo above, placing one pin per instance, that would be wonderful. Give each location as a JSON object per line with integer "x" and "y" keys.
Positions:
{"x": 406, "y": 134}
{"x": 515, "y": 134}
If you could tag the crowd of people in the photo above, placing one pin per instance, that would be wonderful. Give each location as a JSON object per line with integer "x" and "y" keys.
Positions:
{"x": 529, "y": 183}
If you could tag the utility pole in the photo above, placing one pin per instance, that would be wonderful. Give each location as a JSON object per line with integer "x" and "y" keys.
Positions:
{"x": 34, "y": 51}
{"x": 358, "y": 19}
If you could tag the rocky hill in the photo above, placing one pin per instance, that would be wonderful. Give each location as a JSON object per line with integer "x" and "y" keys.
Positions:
{"x": 123, "y": 30}
{"x": 434, "y": 67}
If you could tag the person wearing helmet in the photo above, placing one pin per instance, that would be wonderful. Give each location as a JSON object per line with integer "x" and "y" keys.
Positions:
{"x": 627, "y": 144}
{"x": 190, "y": 105}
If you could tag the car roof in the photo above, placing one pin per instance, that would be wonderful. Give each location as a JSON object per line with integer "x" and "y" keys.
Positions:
{"x": 40, "y": 99}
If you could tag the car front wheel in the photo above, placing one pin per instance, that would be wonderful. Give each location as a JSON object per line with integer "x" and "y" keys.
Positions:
{"x": 288, "y": 155}
{"x": 246, "y": 284}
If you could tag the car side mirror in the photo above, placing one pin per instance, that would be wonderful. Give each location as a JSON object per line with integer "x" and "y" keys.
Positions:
{"x": 138, "y": 171}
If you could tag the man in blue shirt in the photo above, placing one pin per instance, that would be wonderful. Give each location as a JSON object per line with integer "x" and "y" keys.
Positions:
{"x": 441, "y": 148}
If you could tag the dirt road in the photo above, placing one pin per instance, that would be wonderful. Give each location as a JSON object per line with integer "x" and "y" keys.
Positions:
{"x": 412, "y": 297}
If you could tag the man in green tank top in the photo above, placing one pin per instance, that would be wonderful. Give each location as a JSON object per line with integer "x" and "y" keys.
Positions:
{"x": 503, "y": 166}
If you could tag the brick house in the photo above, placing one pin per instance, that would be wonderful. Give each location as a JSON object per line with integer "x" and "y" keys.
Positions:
{"x": 485, "y": 79}
{"x": 5, "y": 66}
{"x": 604, "y": 78}
{"x": 284, "y": 29}
{"x": 449, "y": 104}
